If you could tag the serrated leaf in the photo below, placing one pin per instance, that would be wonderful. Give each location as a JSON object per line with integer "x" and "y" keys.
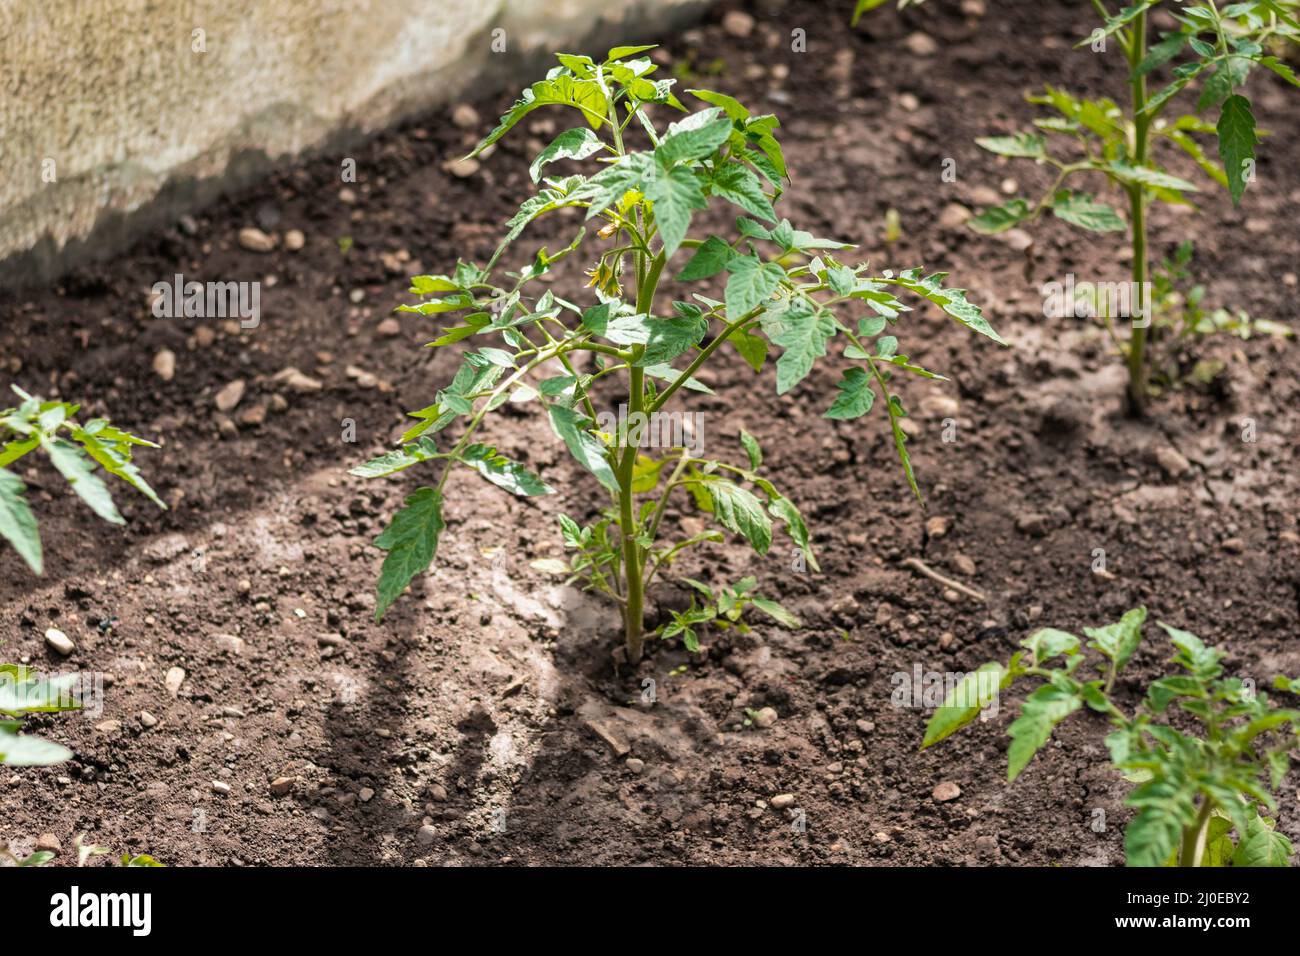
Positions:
{"x": 394, "y": 461}
{"x": 710, "y": 258}
{"x": 503, "y": 472}
{"x": 750, "y": 284}
{"x": 1146, "y": 176}
{"x": 1236, "y": 129}
{"x": 411, "y": 540}
{"x": 803, "y": 340}
{"x": 997, "y": 219}
{"x": 737, "y": 184}
{"x": 752, "y": 449}
{"x": 584, "y": 95}
{"x": 1261, "y": 845}
{"x": 72, "y": 463}
{"x": 1024, "y": 145}
{"x": 855, "y": 398}
{"x": 1042, "y": 710}
{"x": 1082, "y": 210}
{"x": 582, "y": 445}
{"x": 17, "y": 524}
{"x": 739, "y": 511}
{"x": 1118, "y": 641}
{"x": 696, "y": 138}
{"x": 571, "y": 144}
{"x": 676, "y": 194}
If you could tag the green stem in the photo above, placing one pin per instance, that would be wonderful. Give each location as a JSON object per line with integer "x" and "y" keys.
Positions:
{"x": 1137, "y": 359}
{"x": 1193, "y": 850}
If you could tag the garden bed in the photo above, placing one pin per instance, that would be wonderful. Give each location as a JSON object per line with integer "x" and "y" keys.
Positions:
{"x": 485, "y": 720}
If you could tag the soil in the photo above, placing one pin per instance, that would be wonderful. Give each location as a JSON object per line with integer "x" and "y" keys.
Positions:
{"x": 484, "y": 721}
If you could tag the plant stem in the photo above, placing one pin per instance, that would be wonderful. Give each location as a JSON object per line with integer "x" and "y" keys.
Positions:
{"x": 634, "y": 609}
{"x": 1194, "y": 839}
{"x": 1137, "y": 359}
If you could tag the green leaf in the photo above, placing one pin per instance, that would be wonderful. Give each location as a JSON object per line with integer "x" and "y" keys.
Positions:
{"x": 855, "y": 398}
{"x": 739, "y": 511}
{"x": 695, "y": 138}
{"x": 24, "y": 750}
{"x": 1151, "y": 838}
{"x": 1280, "y": 68}
{"x": 503, "y": 472}
{"x": 803, "y": 339}
{"x": 1236, "y": 129}
{"x": 738, "y": 184}
{"x": 21, "y": 692}
{"x": 1118, "y": 641}
{"x": 582, "y": 445}
{"x": 997, "y": 219}
{"x": 965, "y": 701}
{"x": 729, "y": 105}
{"x": 752, "y": 449}
{"x": 411, "y": 541}
{"x": 750, "y": 284}
{"x": 17, "y": 524}
{"x": 1080, "y": 209}
{"x": 776, "y": 612}
{"x": 394, "y": 461}
{"x": 1048, "y": 642}
{"x": 80, "y": 474}
{"x": 1146, "y": 176}
{"x": 1042, "y": 710}
{"x": 1026, "y": 145}
{"x": 111, "y": 448}
{"x": 571, "y": 144}
{"x": 1158, "y": 54}
{"x": 710, "y": 258}
{"x": 562, "y": 90}
{"x": 752, "y": 348}
{"x": 1261, "y": 845}
{"x": 675, "y": 193}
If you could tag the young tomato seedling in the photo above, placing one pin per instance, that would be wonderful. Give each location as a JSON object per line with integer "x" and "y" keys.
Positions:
{"x": 50, "y": 427}
{"x": 1216, "y": 46}
{"x": 783, "y": 287}
{"x": 864, "y": 6}
{"x": 1194, "y": 789}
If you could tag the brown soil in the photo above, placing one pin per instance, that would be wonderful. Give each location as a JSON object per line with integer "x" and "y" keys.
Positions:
{"x": 471, "y": 708}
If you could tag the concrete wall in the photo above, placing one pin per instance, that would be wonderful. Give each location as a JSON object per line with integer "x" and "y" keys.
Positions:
{"x": 119, "y": 114}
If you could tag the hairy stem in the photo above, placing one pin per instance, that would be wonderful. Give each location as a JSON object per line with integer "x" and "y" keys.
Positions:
{"x": 1193, "y": 850}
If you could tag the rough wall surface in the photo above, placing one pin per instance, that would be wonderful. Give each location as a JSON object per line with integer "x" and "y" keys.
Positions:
{"x": 116, "y": 113}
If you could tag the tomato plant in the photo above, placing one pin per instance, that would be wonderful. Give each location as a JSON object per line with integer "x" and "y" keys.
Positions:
{"x": 784, "y": 287}
{"x": 74, "y": 450}
{"x": 1219, "y": 47}
{"x": 1194, "y": 790}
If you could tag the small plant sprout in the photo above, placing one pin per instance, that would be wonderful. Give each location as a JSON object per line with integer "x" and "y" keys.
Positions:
{"x": 864, "y": 6}
{"x": 783, "y": 287}
{"x": 1195, "y": 789}
{"x": 22, "y": 692}
{"x": 1215, "y": 46}
{"x": 74, "y": 450}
